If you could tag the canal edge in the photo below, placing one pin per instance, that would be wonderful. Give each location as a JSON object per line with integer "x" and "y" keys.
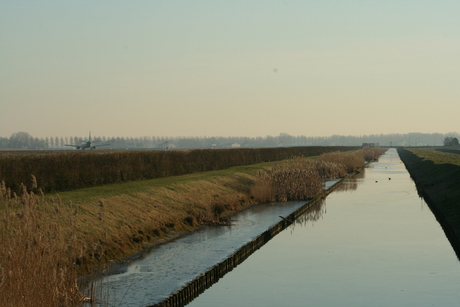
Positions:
{"x": 436, "y": 208}
{"x": 204, "y": 281}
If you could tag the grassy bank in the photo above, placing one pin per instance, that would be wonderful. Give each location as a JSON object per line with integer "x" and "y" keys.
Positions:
{"x": 436, "y": 173}
{"x": 57, "y": 171}
{"x": 90, "y": 227}
{"x": 49, "y": 240}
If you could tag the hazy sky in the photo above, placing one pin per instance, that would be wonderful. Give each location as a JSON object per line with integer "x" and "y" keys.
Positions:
{"x": 229, "y": 68}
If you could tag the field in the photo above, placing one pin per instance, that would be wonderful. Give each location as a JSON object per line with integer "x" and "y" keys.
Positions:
{"x": 436, "y": 172}
{"x": 72, "y": 169}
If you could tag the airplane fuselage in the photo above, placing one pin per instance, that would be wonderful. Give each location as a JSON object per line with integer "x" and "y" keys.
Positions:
{"x": 86, "y": 144}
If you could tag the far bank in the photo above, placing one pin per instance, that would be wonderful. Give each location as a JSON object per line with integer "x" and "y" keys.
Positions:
{"x": 436, "y": 173}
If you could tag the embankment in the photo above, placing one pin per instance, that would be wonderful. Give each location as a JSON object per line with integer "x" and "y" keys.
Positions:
{"x": 437, "y": 177}
{"x": 56, "y": 171}
{"x": 204, "y": 281}
{"x": 96, "y": 225}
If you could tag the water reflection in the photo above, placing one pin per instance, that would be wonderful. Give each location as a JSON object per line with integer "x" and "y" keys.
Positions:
{"x": 378, "y": 245}
{"x": 314, "y": 213}
{"x": 317, "y": 210}
{"x": 349, "y": 185}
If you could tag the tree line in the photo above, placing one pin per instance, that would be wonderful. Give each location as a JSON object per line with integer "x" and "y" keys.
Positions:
{"x": 24, "y": 140}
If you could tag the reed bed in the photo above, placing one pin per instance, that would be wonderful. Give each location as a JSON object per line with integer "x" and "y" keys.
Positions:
{"x": 288, "y": 180}
{"x": 350, "y": 160}
{"x": 301, "y": 179}
{"x": 372, "y": 153}
{"x": 37, "y": 258}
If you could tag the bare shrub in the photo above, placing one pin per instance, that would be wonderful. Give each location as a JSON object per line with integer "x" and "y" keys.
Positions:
{"x": 217, "y": 209}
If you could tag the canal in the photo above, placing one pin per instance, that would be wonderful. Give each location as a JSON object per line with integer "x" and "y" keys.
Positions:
{"x": 372, "y": 242}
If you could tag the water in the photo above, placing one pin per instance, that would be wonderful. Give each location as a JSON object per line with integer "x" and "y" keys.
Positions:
{"x": 372, "y": 243}
{"x": 170, "y": 267}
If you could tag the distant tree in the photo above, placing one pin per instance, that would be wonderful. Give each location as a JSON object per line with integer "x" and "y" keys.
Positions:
{"x": 4, "y": 142}
{"x": 20, "y": 139}
{"x": 450, "y": 141}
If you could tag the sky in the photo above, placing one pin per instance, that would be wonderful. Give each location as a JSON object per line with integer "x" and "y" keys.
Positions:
{"x": 229, "y": 68}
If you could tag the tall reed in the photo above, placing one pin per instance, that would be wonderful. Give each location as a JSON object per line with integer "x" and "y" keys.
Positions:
{"x": 36, "y": 256}
{"x": 350, "y": 160}
{"x": 300, "y": 179}
{"x": 289, "y": 180}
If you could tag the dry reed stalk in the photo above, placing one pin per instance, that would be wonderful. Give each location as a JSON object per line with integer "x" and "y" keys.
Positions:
{"x": 296, "y": 179}
{"x": 372, "y": 153}
{"x": 35, "y": 256}
{"x": 330, "y": 169}
{"x": 351, "y": 160}
{"x": 299, "y": 179}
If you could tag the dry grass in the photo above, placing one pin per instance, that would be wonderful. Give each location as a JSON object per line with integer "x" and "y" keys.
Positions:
{"x": 300, "y": 179}
{"x": 48, "y": 242}
{"x": 37, "y": 258}
{"x": 289, "y": 180}
{"x": 350, "y": 160}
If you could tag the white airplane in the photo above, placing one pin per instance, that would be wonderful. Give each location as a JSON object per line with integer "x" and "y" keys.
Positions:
{"x": 86, "y": 144}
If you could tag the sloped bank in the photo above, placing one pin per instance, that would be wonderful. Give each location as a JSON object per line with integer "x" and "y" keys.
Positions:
{"x": 439, "y": 184}
{"x": 204, "y": 281}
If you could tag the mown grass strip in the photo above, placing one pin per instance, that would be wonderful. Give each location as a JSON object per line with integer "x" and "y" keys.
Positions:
{"x": 437, "y": 156}
{"x": 101, "y": 192}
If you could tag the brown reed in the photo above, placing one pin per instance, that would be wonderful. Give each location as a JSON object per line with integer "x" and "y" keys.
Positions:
{"x": 44, "y": 244}
{"x": 36, "y": 254}
{"x": 295, "y": 179}
{"x": 300, "y": 179}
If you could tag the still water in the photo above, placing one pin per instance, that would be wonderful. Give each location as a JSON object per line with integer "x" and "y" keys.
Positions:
{"x": 374, "y": 242}
{"x": 170, "y": 267}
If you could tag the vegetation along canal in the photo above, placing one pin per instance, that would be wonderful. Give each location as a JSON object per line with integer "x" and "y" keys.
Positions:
{"x": 372, "y": 242}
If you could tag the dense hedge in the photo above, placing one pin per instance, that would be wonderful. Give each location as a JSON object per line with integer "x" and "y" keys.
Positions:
{"x": 60, "y": 171}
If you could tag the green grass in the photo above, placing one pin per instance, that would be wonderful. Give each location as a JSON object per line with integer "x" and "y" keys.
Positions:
{"x": 438, "y": 156}
{"x": 95, "y": 193}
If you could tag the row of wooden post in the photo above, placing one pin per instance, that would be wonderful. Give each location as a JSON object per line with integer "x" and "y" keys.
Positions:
{"x": 197, "y": 286}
